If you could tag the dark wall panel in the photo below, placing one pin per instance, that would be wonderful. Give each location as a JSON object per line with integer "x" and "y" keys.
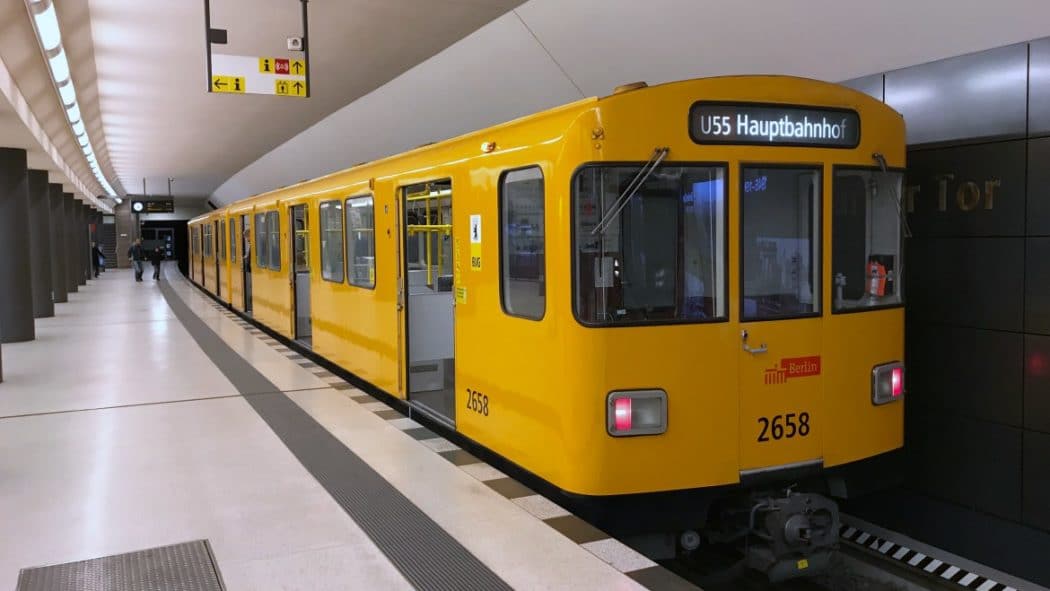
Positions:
{"x": 1039, "y": 100}
{"x": 976, "y": 373}
{"x": 984, "y": 469}
{"x": 1037, "y": 286}
{"x": 1039, "y": 185}
{"x": 870, "y": 85}
{"x": 1037, "y": 384}
{"x": 975, "y": 282}
{"x": 968, "y": 190}
{"x": 974, "y": 96}
{"x": 1037, "y": 479}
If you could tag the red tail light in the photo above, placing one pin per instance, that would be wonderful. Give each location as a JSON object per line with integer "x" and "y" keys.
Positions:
{"x": 887, "y": 383}
{"x": 636, "y": 412}
{"x": 622, "y": 417}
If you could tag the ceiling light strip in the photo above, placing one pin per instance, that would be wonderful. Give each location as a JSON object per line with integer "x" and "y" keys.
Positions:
{"x": 49, "y": 34}
{"x": 18, "y": 102}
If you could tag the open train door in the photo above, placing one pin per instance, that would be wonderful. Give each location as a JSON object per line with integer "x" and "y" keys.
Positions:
{"x": 217, "y": 248}
{"x": 300, "y": 235}
{"x": 781, "y": 383}
{"x": 246, "y": 261}
{"x": 425, "y": 298}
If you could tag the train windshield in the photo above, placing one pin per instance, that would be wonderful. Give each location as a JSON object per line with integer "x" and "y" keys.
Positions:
{"x": 656, "y": 255}
{"x": 866, "y": 239}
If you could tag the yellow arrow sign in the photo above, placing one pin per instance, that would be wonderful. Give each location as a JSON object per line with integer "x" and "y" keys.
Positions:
{"x": 296, "y": 88}
{"x": 231, "y": 84}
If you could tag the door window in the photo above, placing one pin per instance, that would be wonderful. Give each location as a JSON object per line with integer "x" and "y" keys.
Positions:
{"x": 780, "y": 248}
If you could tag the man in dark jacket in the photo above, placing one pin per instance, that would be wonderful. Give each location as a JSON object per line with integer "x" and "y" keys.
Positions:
{"x": 136, "y": 256}
{"x": 156, "y": 257}
{"x": 98, "y": 259}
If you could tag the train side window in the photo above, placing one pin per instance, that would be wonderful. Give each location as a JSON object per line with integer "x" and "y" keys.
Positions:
{"x": 273, "y": 226}
{"x": 522, "y": 243}
{"x": 233, "y": 241}
{"x": 360, "y": 241}
{"x": 207, "y": 240}
{"x": 866, "y": 239}
{"x": 332, "y": 264}
{"x": 262, "y": 241}
{"x": 222, "y": 241}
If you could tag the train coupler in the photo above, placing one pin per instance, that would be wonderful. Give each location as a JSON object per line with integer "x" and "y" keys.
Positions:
{"x": 792, "y": 535}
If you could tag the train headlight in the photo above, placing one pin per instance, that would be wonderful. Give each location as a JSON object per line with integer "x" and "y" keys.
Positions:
{"x": 887, "y": 383}
{"x": 636, "y": 412}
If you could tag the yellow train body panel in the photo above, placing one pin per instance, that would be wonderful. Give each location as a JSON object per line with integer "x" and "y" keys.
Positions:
{"x": 547, "y": 380}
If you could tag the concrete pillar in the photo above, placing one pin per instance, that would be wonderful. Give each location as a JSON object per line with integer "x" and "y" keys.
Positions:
{"x": 80, "y": 244}
{"x": 58, "y": 243}
{"x": 16, "y": 282}
{"x": 69, "y": 243}
{"x": 40, "y": 244}
{"x": 83, "y": 243}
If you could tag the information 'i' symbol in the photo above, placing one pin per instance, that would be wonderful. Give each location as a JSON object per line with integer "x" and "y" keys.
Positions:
{"x": 266, "y": 65}
{"x": 237, "y": 84}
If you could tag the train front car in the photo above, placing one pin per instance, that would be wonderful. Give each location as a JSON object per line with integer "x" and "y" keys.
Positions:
{"x": 737, "y": 325}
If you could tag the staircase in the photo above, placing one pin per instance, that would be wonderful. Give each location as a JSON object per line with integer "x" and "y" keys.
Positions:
{"x": 108, "y": 243}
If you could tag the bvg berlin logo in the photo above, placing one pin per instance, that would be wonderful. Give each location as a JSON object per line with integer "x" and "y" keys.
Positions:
{"x": 793, "y": 367}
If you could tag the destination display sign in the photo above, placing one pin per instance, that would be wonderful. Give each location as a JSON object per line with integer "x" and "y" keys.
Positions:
{"x": 773, "y": 125}
{"x": 160, "y": 206}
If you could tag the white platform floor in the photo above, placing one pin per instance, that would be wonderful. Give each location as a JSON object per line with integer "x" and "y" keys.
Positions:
{"x": 117, "y": 433}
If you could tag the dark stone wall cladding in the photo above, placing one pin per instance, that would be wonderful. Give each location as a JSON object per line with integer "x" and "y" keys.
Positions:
{"x": 977, "y": 271}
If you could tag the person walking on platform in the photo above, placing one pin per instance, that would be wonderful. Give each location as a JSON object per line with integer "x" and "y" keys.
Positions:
{"x": 136, "y": 256}
{"x": 156, "y": 257}
{"x": 98, "y": 259}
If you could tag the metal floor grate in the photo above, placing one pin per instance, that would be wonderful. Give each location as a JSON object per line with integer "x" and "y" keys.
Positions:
{"x": 180, "y": 567}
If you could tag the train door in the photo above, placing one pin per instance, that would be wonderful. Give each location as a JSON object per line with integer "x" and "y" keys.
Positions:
{"x": 216, "y": 248}
{"x": 201, "y": 266}
{"x": 781, "y": 384}
{"x": 246, "y": 261}
{"x": 426, "y": 284}
{"x": 301, "y": 273}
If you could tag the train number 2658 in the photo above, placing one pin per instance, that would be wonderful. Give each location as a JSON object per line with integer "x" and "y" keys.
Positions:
{"x": 784, "y": 426}
{"x": 477, "y": 402}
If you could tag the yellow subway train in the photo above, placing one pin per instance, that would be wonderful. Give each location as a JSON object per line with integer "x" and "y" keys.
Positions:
{"x": 665, "y": 306}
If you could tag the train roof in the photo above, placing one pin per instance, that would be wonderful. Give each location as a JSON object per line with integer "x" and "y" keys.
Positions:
{"x": 635, "y": 91}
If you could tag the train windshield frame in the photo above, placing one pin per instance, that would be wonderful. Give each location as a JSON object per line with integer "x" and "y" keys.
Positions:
{"x": 657, "y": 255}
{"x": 867, "y": 239}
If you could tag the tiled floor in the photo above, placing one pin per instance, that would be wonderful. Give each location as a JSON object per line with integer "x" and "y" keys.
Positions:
{"x": 174, "y": 453}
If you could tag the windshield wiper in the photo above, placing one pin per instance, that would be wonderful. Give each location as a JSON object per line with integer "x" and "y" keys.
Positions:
{"x": 639, "y": 179}
{"x": 896, "y": 197}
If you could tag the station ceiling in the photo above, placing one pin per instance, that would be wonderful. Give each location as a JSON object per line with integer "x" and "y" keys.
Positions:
{"x": 140, "y": 67}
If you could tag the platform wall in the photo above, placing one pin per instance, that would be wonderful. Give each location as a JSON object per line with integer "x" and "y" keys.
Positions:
{"x": 978, "y": 277}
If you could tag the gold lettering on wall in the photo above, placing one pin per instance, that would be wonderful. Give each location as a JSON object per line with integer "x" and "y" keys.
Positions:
{"x": 968, "y": 196}
{"x": 942, "y": 191}
{"x": 910, "y": 194}
{"x": 989, "y": 192}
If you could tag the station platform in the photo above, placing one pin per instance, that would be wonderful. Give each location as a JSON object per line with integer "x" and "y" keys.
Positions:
{"x": 145, "y": 419}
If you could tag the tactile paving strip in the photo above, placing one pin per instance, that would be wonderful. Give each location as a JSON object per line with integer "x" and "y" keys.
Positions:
{"x": 181, "y": 567}
{"x": 615, "y": 553}
{"x": 424, "y": 553}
